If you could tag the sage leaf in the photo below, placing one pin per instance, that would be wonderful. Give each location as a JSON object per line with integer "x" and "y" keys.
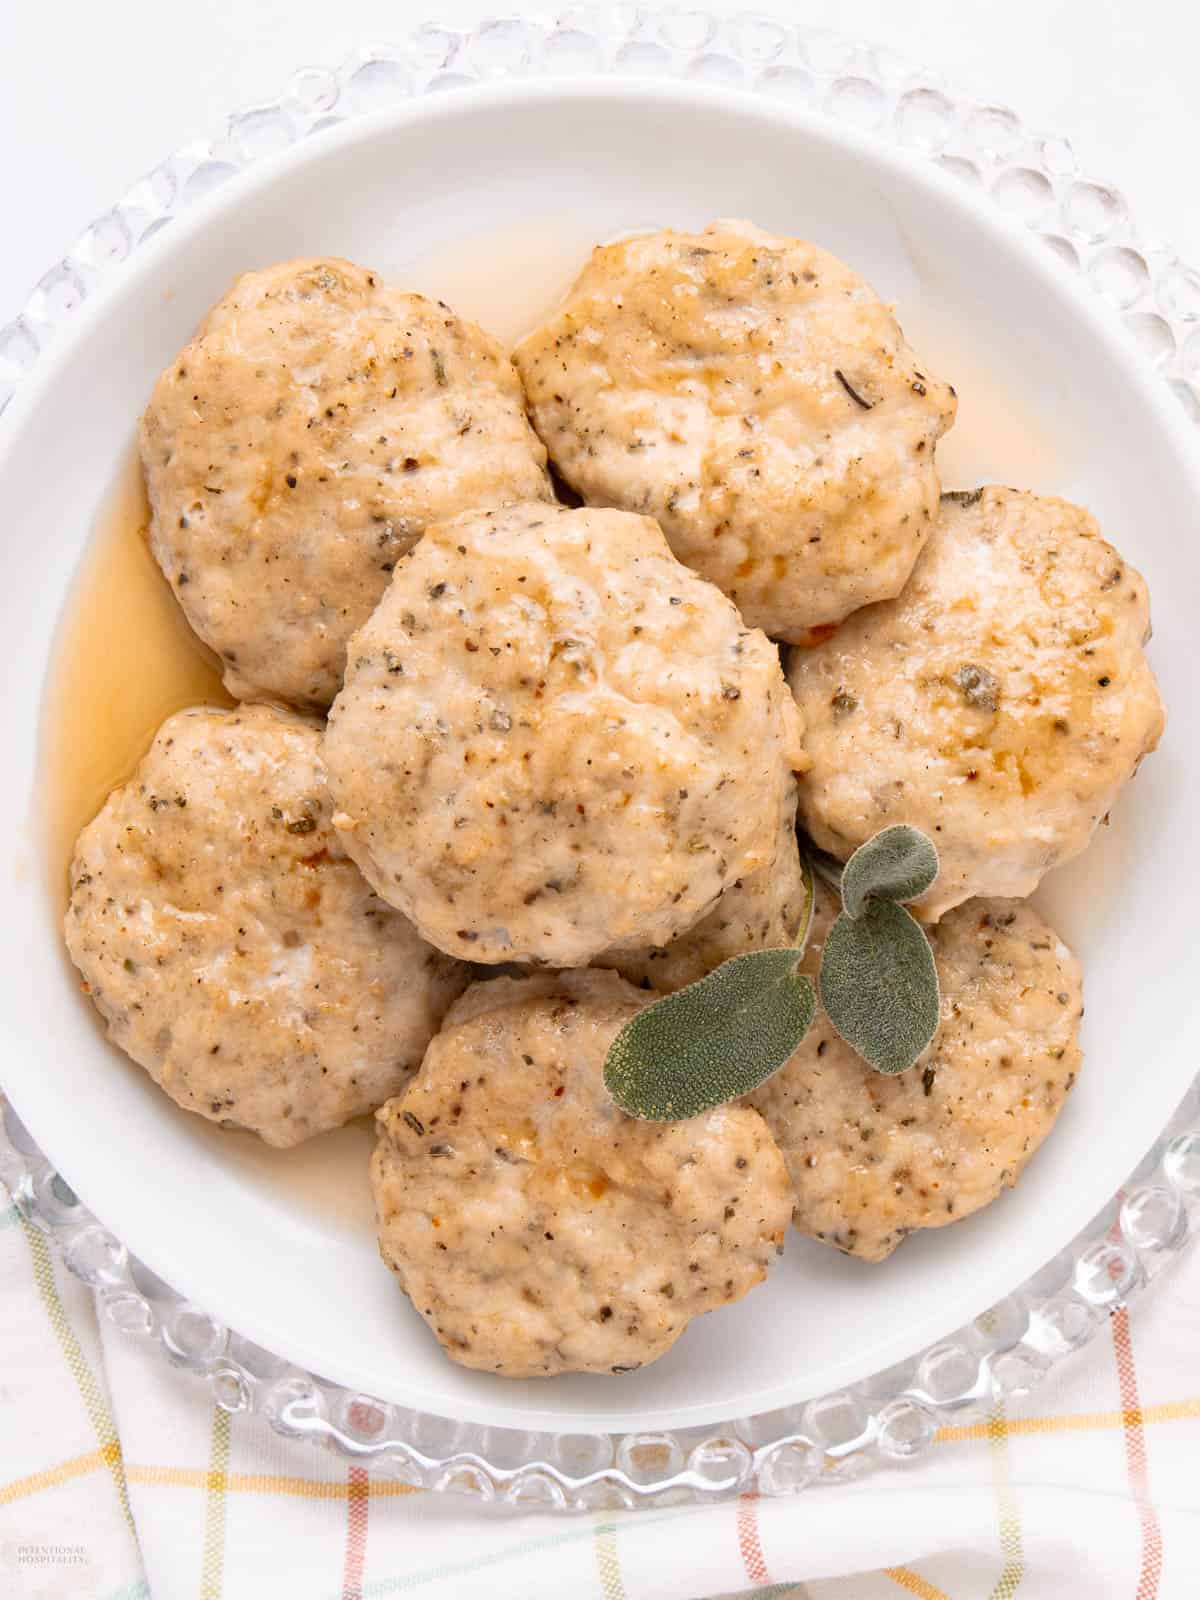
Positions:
{"x": 715, "y": 1040}
{"x": 879, "y": 985}
{"x": 899, "y": 863}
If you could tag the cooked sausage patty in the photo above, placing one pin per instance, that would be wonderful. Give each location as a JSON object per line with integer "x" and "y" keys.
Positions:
{"x": 298, "y": 447}
{"x": 999, "y": 704}
{"x": 759, "y": 399}
{"x": 538, "y": 1229}
{"x": 766, "y": 910}
{"x": 872, "y": 1157}
{"x": 232, "y": 947}
{"x": 554, "y": 740}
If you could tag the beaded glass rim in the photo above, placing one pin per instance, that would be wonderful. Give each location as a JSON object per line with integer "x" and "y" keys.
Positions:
{"x": 895, "y": 1415}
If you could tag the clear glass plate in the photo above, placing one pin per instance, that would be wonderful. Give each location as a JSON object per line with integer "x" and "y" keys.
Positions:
{"x": 895, "y": 1414}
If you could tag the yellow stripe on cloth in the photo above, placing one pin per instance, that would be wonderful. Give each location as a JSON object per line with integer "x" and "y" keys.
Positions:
{"x": 216, "y": 1480}
{"x": 609, "y": 1567}
{"x": 915, "y": 1583}
{"x": 85, "y": 1380}
{"x": 259, "y": 1483}
{"x": 1011, "y": 1549}
{"x": 76, "y": 1467}
{"x": 1072, "y": 1422}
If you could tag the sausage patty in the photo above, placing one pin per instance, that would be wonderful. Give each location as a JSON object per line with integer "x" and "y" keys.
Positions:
{"x": 230, "y": 944}
{"x": 765, "y": 910}
{"x": 874, "y": 1157}
{"x": 759, "y": 399}
{"x": 554, "y": 740}
{"x": 538, "y": 1229}
{"x": 299, "y": 445}
{"x": 999, "y": 704}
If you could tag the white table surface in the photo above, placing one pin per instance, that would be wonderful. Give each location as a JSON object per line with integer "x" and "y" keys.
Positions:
{"x": 91, "y": 96}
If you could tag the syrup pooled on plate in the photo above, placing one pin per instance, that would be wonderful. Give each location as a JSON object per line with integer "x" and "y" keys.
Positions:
{"x": 508, "y": 280}
{"x": 125, "y": 659}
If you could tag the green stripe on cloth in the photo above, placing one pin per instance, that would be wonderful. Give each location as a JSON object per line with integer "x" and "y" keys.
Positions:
{"x": 607, "y": 1562}
{"x": 1011, "y": 1549}
{"x": 85, "y": 1380}
{"x": 212, "y": 1561}
{"x": 132, "y": 1591}
{"x": 9, "y": 1217}
{"x": 773, "y": 1591}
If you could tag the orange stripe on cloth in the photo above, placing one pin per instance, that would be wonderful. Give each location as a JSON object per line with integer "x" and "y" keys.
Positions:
{"x": 76, "y": 1467}
{"x": 1074, "y": 1422}
{"x": 85, "y": 1379}
{"x": 1013, "y": 1569}
{"x": 749, "y": 1543}
{"x": 608, "y": 1566}
{"x": 358, "y": 1498}
{"x": 915, "y": 1583}
{"x": 1135, "y": 1459}
{"x": 212, "y": 1559}
{"x": 260, "y": 1483}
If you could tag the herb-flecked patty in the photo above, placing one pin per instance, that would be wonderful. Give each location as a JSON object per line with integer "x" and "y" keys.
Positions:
{"x": 758, "y": 398}
{"x": 766, "y": 910}
{"x": 999, "y": 704}
{"x": 554, "y": 740}
{"x": 232, "y": 946}
{"x": 874, "y": 1157}
{"x": 300, "y": 444}
{"x": 538, "y": 1229}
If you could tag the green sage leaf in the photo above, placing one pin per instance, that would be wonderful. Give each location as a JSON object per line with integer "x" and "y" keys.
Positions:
{"x": 879, "y": 985}
{"x": 713, "y": 1041}
{"x": 899, "y": 863}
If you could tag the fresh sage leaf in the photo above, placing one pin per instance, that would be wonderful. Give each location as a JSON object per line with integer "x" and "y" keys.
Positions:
{"x": 879, "y": 985}
{"x": 713, "y": 1041}
{"x": 720, "y": 1038}
{"x": 899, "y": 863}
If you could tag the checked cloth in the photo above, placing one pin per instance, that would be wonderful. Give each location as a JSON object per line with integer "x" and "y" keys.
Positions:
{"x": 120, "y": 1480}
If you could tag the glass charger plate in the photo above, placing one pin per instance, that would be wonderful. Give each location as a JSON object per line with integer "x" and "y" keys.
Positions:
{"x": 897, "y": 1413}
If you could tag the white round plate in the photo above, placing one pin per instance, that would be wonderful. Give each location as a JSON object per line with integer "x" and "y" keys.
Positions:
{"x": 1055, "y": 397}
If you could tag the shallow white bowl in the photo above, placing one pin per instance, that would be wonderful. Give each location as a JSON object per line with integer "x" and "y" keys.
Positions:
{"x": 280, "y": 1246}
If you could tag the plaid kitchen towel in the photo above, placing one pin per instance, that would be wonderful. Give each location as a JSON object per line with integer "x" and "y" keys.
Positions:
{"x": 119, "y": 1479}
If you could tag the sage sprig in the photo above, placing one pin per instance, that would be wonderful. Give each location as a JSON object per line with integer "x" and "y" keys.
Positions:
{"x": 714, "y": 1041}
{"x": 878, "y": 981}
{"x": 879, "y": 985}
{"x": 899, "y": 863}
{"x": 722, "y": 1037}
